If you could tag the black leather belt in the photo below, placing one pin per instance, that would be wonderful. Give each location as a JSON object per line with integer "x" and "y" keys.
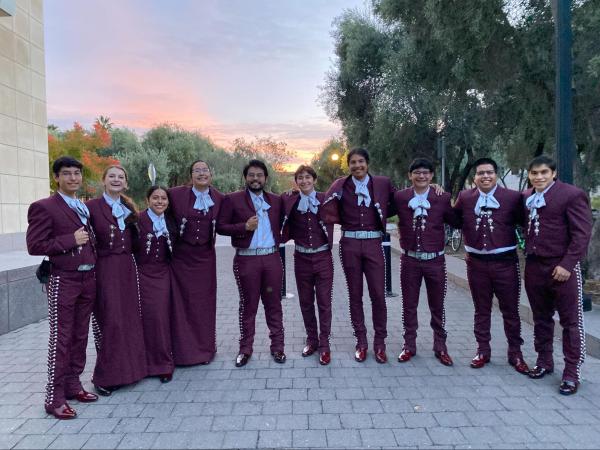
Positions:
{"x": 504, "y": 256}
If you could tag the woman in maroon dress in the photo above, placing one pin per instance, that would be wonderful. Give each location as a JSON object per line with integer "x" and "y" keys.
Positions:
{"x": 117, "y": 321}
{"x": 153, "y": 249}
{"x": 193, "y": 268}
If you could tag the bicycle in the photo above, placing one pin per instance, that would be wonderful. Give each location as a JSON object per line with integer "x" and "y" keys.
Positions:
{"x": 453, "y": 237}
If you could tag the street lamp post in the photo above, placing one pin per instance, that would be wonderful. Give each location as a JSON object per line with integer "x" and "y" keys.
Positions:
{"x": 564, "y": 96}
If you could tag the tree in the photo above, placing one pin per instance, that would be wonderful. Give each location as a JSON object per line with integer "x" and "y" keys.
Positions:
{"x": 330, "y": 163}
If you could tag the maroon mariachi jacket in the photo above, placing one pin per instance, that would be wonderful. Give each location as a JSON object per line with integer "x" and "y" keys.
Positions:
{"x": 193, "y": 226}
{"x": 237, "y": 208}
{"x": 412, "y": 236}
{"x": 308, "y": 230}
{"x": 149, "y": 249}
{"x": 480, "y": 235}
{"x": 565, "y": 226}
{"x": 110, "y": 240}
{"x": 51, "y": 232}
{"x": 380, "y": 189}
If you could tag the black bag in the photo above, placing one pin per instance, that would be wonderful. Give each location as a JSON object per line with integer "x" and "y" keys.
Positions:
{"x": 43, "y": 271}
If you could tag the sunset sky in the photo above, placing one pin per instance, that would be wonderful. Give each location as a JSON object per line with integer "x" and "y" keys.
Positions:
{"x": 235, "y": 68}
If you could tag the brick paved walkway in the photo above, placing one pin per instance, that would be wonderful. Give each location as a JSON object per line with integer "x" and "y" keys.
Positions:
{"x": 301, "y": 404}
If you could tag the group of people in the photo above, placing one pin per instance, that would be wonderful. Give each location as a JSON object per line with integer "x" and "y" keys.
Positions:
{"x": 147, "y": 280}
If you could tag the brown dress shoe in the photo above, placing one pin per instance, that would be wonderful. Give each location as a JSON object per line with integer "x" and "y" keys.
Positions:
{"x": 83, "y": 396}
{"x": 324, "y": 358}
{"x": 406, "y": 355}
{"x": 63, "y": 412}
{"x": 539, "y": 372}
{"x": 360, "y": 354}
{"x": 242, "y": 359}
{"x": 520, "y": 365}
{"x": 380, "y": 356}
{"x": 444, "y": 358}
{"x": 479, "y": 360}
{"x": 308, "y": 350}
{"x": 568, "y": 387}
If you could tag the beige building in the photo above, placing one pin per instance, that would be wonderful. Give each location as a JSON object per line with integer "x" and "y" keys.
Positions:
{"x": 23, "y": 122}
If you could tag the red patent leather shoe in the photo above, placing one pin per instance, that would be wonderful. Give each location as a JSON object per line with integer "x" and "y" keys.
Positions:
{"x": 63, "y": 412}
{"x": 308, "y": 350}
{"x": 520, "y": 365}
{"x": 479, "y": 360}
{"x": 444, "y": 358}
{"x": 380, "y": 356}
{"x": 83, "y": 396}
{"x": 406, "y": 355}
{"x": 360, "y": 354}
{"x": 324, "y": 358}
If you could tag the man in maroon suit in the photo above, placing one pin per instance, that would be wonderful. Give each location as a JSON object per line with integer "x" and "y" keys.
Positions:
{"x": 489, "y": 214}
{"x": 361, "y": 203}
{"x": 252, "y": 218}
{"x": 59, "y": 228}
{"x": 313, "y": 263}
{"x": 421, "y": 217}
{"x": 559, "y": 226}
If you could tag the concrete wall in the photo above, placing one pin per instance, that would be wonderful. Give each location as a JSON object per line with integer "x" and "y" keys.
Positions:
{"x": 21, "y": 299}
{"x": 23, "y": 121}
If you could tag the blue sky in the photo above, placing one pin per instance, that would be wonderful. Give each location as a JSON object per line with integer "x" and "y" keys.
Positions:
{"x": 226, "y": 68}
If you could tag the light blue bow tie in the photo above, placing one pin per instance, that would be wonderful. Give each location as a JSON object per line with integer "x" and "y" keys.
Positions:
{"x": 79, "y": 207}
{"x": 362, "y": 191}
{"x": 534, "y": 202}
{"x": 486, "y": 201}
{"x": 159, "y": 225}
{"x": 260, "y": 205}
{"x": 119, "y": 211}
{"x": 308, "y": 203}
{"x": 420, "y": 205}
{"x": 203, "y": 200}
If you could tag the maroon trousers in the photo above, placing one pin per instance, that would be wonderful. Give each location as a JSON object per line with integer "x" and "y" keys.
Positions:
{"x": 546, "y": 296}
{"x": 412, "y": 273}
{"x": 71, "y": 297}
{"x": 314, "y": 276}
{"x": 502, "y": 278}
{"x": 365, "y": 256}
{"x": 259, "y": 277}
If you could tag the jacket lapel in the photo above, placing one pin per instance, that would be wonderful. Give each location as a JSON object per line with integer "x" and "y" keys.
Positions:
{"x": 66, "y": 209}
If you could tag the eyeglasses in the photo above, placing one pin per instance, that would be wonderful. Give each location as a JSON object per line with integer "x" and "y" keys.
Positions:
{"x": 489, "y": 173}
{"x": 203, "y": 170}
{"x": 421, "y": 172}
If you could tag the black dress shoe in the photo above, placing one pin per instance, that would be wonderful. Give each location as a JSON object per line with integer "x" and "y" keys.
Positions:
{"x": 539, "y": 372}
{"x": 308, "y": 350}
{"x": 568, "y": 387}
{"x": 278, "y": 357}
{"x": 242, "y": 359}
{"x": 105, "y": 391}
{"x": 166, "y": 377}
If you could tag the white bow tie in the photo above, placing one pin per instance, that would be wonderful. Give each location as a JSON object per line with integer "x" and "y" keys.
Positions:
{"x": 486, "y": 201}
{"x": 419, "y": 205}
{"x": 203, "y": 201}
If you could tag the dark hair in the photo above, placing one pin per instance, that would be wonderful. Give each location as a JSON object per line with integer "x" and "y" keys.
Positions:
{"x": 256, "y": 163}
{"x": 65, "y": 161}
{"x": 156, "y": 187}
{"x": 542, "y": 160}
{"x": 483, "y": 161}
{"x": 358, "y": 151}
{"x": 304, "y": 168}
{"x": 199, "y": 161}
{"x": 421, "y": 163}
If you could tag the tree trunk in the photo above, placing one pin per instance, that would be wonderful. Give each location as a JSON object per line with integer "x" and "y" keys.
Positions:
{"x": 593, "y": 257}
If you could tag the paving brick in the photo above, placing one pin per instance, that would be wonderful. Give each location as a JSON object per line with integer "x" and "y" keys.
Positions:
{"x": 164, "y": 425}
{"x": 174, "y": 440}
{"x": 260, "y": 422}
{"x": 419, "y": 420}
{"x": 378, "y": 438}
{"x": 367, "y": 406}
{"x": 306, "y": 407}
{"x": 452, "y": 419}
{"x": 446, "y": 436}
{"x": 357, "y": 421}
{"x": 309, "y": 438}
{"x": 138, "y": 440}
{"x": 416, "y": 437}
{"x": 292, "y": 422}
{"x": 103, "y": 441}
{"x": 241, "y": 439}
{"x": 343, "y": 438}
{"x": 196, "y": 423}
{"x": 132, "y": 425}
{"x": 35, "y": 441}
{"x": 228, "y": 423}
{"x": 324, "y": 421}
{"x": 275, "y": 439}
{"x": 70, "y": 441}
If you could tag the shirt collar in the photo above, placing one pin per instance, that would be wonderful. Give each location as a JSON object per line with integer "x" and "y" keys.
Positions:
{"x": 491, "y": 193}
